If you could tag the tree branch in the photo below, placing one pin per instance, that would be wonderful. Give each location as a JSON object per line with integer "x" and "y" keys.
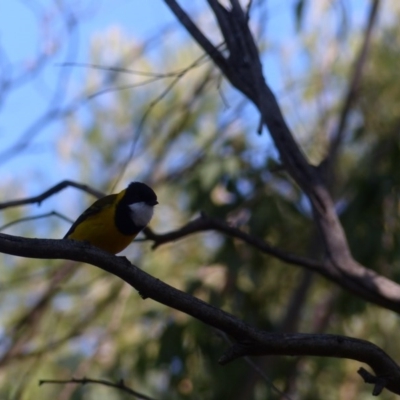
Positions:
{"x": 364, "y": 283}
{"x": 354, "y": 84}
{"x": 84, "y": 381}
{"x": 245, "y": 73}
{"x": 206, "y": 223}
{"x": 249, "y": 341}
{"x": 53, "y": 190}
{"x": 34, "y": 217}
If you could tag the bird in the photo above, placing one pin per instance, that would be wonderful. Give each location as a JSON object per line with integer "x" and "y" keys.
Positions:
{"x": 112, "y": 222}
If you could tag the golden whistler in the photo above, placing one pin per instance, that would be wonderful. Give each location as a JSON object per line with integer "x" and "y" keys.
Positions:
{"x": 112, "y": 222}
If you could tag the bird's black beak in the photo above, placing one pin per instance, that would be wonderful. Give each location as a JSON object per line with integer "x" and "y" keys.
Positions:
{"x": 152, "y": 203}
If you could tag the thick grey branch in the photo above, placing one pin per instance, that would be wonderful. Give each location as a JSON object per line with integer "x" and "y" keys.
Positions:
{"x": 244, "y": 71}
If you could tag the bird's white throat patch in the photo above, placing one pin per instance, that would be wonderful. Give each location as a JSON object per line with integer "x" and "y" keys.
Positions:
{"x": 141, "y": 213}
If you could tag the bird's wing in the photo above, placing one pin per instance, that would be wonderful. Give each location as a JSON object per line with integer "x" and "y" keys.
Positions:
{"x": 94, "y": 209}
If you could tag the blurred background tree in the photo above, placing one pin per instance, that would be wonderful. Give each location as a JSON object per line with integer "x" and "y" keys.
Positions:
{"x": 159, "y": 112}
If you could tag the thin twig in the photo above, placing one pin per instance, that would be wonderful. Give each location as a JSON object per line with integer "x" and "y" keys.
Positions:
{"x": 84, "y": 381}
{"x": 199, "y": 61}
{"x": 34, "y": 217}
{"x": 160, "y": 75}
{"x": 354, "y": 84}
{"x": 50, "y": 192}
{"x": 255, "y": 367}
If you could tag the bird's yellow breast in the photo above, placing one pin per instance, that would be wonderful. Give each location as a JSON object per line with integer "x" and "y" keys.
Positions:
{"x": 100, "y": 230}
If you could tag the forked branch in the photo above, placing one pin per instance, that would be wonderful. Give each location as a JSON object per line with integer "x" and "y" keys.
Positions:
{"x": 243, "y": 69}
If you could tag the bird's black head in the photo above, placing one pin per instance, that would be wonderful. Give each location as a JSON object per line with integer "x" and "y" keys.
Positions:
{"x": 135, "y": 209}
{"x": 138, "y": 192}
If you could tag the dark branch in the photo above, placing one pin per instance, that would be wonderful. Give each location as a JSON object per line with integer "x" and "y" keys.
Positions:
{"x": 378, "y": 382}
{"x": 200, "y": 38}
{"x": 206, "y": 223}
{"x": 249, "y": 340}
{"x": 362, "y": 282}
{"x": 323, "y": 345}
